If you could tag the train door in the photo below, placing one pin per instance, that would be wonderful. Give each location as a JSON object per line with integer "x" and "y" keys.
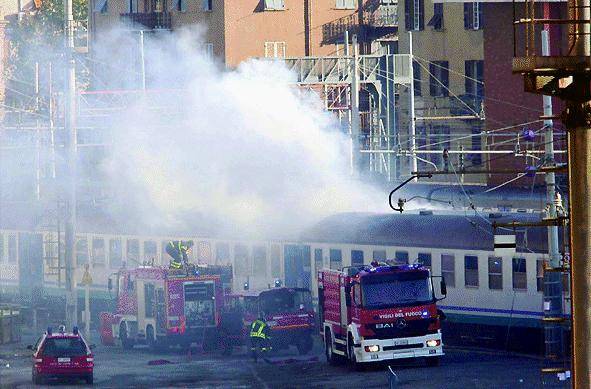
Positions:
{"x": 30, "y": 260}
{"x": 297, "y": 266}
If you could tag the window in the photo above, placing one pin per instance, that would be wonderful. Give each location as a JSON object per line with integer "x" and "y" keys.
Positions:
{"x": 132, "y": 6}
{"x": 414, "y": 15}
{"x": 275, "y": 49}
{"x": 241, "y": 260}
{"x": 474, "y": 70}
{"x": 495, "y": 273}
{"x": 519, "y": 274}
{"x": 222, "y": 253}
{"x": 416, "y": 75}
{"x": 150, "y": 250}
{"x": 98, "y": 251}
{"x": 356, "y": 257}
{"x": 425, "y": 259}
{"x": 207, "y": 5}
{"x": 318, "y": 259}
{"x": 276, "y": 261}
{"x": 133, "y": 252}
{"x": 437, "y": 20}
{"x": 472, "y": 16}
{"x": 274, "y": 5}
{"x": 379, "y": 255}
{"x": 402, "y": 257}
{"x": 346, "y": 4}
{"x": 471, "y": 270}
{"x": 336, "y": 259}
{"x": 12, "y": 254}
{"x": 540, "y": 275}
{"x": 101, "y": 6}
{"x": 180, "y": 5}
{"x": 208, "y": 50}
{"x": 81, "y": 251}
{"x": 439, "y": 79}
{"x": 115, "y": 253}
{"x": 259, "y": 259}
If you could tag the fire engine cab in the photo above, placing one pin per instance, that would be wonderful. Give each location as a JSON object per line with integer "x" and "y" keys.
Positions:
{"x": 377, "y": 313}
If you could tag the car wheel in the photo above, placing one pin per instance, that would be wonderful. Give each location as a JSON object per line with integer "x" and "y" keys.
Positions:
{"x": 89, "y": 379}
{"x": 125, "y": 341}
{"x": 433, "y": 361}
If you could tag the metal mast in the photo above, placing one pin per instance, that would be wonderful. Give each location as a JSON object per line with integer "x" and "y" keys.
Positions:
{"x": 70, "y": 174}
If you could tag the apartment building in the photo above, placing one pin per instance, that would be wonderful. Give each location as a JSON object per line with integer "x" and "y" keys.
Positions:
{"x": 237, "y": 30}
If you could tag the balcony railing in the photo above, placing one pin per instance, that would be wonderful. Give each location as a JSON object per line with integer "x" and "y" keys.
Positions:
{"x": 380, "y": 16}
{"x": 334, "y": 31}
{"x": 150, "y": 20}
{"x": 384, "y": 16}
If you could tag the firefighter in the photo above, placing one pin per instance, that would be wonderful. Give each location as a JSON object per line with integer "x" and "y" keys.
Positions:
{"x": 259, "y": 337}
{"x": 178, "y": 250}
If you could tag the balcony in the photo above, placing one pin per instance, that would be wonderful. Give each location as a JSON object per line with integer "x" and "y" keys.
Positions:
{"x": 149, "y": 20}
{"x": 384, "y": 16}
{"x": 334, "y": 31}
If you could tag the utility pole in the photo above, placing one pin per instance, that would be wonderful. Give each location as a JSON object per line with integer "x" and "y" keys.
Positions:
{"x": 355, "y": 121}
{"x": 142, "y": 60}
{"x": 70, "y": 176}
{"x": 553, "y": 334}
{"x": 411, "y": 107}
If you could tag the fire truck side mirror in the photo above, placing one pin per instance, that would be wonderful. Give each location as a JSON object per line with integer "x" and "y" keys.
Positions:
{"x": 348, "y": 295}
{"x": 443, "y": 287}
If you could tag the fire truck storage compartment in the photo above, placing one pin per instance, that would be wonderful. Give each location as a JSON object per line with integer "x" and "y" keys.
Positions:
{"x": 200, "y": 304}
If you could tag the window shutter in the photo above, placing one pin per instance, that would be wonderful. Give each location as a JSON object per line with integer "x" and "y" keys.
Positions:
{"x": 468, "y": 15}
{"x": 480, "y": 77}
{"x": 432, "y": 82}
{"x": 445, "y": 78}
{"x": 480, "y": 20}
{"x": 468, "y": 83}
{"x": 421, "y": 15}
{"x": 408, "y": 6}
{"x": 416, "y": 70}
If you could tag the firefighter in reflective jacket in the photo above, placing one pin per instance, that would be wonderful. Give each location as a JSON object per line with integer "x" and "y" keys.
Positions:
{"x": 259, "y": 337}
{"x": 178, "y": 250}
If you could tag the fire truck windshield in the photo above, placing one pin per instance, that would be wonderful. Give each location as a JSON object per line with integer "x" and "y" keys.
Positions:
{"x": 389, "y": 290}
{"x": 285, "y": 300}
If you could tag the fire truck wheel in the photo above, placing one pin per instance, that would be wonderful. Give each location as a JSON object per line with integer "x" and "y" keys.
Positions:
{"x": 305, "y": 344}
{"x": 351, "y": 355}
{"x": 433, "y": 361}
{"x": 125, "y": 341}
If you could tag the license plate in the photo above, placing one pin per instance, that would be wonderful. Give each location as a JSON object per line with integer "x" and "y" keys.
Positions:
{"x": 63, "y": 360}
{"x": 401, "y": 342}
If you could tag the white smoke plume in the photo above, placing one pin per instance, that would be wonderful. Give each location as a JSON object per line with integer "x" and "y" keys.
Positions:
{"x": 243, "y": 147}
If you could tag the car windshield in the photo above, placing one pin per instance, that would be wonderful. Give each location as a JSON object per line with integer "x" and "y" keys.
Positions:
{"x": 64, "y": 347}
{"x": 382, "y": 291}
{"x": 285, "y": 300}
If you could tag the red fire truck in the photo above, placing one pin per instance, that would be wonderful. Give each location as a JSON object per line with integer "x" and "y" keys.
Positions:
{"x": 162, "y": 307}
{"x": 287, "y": 311}
{"x": 377, "y": 313}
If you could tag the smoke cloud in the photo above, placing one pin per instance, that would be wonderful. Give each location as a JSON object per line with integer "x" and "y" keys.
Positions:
{"x": 243, "y": 147}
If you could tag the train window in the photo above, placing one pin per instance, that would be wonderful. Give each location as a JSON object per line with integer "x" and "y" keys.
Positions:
{"x": 259, "y": 259}
{"x": 275, "y": 261}
{"x": 98, "y": 251}
{"x": 2, "y": 256}
{"x": 471, "y": 270}
{"x": 402, "y": 257}
{"x": 115, "y": 253}
{"x": 379, "y": 255}
{"x": 318, "y": 259}
{"x": 81, "y": 251}
{"x": 519, "y": 274}
{"x": 204, "y": 254}
{"x": 12, "y": 248}
{"x": 336, "y": 258}
{"x": 241, "y": 260}
{"x": 448, "y": 269}
{"x": 495, "y": 273}
{"x": 222, "y": 253}
{"x": 150, "y": 250}
{"x": 356, "y": 257}
{"x": 424, "y": 259}
{"x": 540, "y": 275}
{"x": 133, "y": 252}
